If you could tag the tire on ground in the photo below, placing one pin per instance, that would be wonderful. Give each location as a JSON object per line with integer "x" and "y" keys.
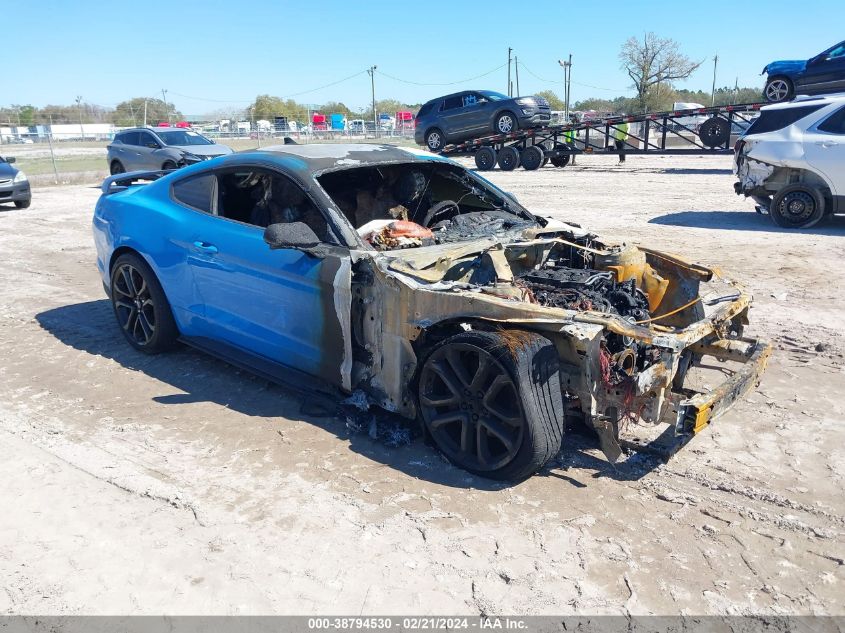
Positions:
{"x": 169, "y": 165}
{"x": 23, "y": 204}
{"x": 532, "y": 157}
{"x": 798, "y": 206}
{"x": 485, "y": 159}
{"x": 508, "y": 158}
{"x": 165, "y": 332}
{"x": 531, "y": 362}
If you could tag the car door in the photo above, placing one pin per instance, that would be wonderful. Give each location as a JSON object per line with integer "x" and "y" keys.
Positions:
{"x": 285, "y": 305}
{"x": 127, "y": 151}
{"x": 477, "y": 113}
{"x": 450, "y": 116}
{"x": 825, "y": 72}
{"x": 146, "y": 150}
{"x": 824, "y": 148}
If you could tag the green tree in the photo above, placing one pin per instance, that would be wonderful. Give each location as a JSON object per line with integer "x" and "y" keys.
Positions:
{"x": 131, "y": 112}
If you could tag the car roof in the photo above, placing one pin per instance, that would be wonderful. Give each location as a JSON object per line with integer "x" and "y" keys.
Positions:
{"x": 317, "y": 157}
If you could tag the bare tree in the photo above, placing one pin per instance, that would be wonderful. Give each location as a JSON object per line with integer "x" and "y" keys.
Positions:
{"x": 653, "y": 62}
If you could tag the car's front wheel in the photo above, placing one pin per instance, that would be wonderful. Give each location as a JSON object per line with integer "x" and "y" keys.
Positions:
{"x": 492, "y": 402}
{"x": 505, "y": 123}
{"x": 140, "y": 306}
{"x": 169, "y": 165}
{"x": 23, "y": 204}
{"x": 778, "y": 89}
{"x": 797, "y": 206}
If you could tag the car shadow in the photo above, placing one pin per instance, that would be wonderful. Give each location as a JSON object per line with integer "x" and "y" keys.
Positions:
{"x": 374, "y": 433}
{"x": 744, "y": 221}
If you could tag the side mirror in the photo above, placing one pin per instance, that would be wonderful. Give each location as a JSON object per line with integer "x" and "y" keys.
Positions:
{"x": 153, "y": 145}
{"x": 294, "y": 235}
{"x": 10, "y": 159}
{"x": 818, "y": 59}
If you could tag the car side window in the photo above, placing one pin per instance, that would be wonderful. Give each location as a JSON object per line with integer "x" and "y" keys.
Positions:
{"x": 128, "y": 138}
{"x": 835, "y": 123}
{"x": 474, "y": 99}
{"x": 197, "y": 192}
{"x": 262, "y": 197}
{"x": 145, "y": 139}
{"x": 452, "y": 103}
{"x": 837, "y": 52}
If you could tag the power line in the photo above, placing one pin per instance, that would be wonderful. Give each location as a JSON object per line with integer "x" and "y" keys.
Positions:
{"x": 553, "y": 81}
{"x": 448, "y": 83}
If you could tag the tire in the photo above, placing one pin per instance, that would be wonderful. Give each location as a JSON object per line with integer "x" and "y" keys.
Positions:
{"x": 508, "y": 158}
{"x": 714, "y": 132}
{"x": 505, "y": 123}
{"x": 485, "y": 159}
{"x": 169, "y": 165}
{"x": 492, "y": 403}
{"x": 778, "y": 89}
{"x": 140, "y": 306}
{"x": 563, "y": 159}
{"x": 23, "y": 204}
{"x": 116, "y": 167}
{"x": 531, "y": 157}
{"x": 434, "y": 140}
{"x": 797, "y": 206}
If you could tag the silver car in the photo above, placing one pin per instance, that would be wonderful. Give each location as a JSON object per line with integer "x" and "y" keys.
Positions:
{"x": 160, "y": 148}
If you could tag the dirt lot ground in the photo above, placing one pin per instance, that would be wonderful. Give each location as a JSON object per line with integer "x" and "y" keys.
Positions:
{"x": 179, "y": 484}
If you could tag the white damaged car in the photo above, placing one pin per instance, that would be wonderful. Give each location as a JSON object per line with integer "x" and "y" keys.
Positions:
{"x": 791, "y": 161}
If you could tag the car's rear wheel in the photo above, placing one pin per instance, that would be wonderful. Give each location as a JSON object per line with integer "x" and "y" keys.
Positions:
{"x": 140, "y": 306}
{"x": 505, "y": 123}
{"x": 798, "y": 206}
{"x": 492, "y": 402}
{"x": 169, "y": 165}
{"x": 485, "y": 159}
{"x": 116, "y": 167}
{"x": 434, "y": 140}
{"x": 508, "y": 158}
{"x": 532, "y": 157}
{"x": 778, "y": 89}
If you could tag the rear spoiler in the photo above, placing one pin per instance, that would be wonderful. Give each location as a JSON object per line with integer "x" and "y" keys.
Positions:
{"x": 119, "y": 182}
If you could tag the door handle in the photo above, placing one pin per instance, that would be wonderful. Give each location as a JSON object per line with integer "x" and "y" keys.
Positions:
{"x": 205, "y": 247}
{"x": 827, "y": 143}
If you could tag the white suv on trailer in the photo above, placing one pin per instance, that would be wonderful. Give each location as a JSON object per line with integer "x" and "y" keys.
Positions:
{"x": 791, "y": 160}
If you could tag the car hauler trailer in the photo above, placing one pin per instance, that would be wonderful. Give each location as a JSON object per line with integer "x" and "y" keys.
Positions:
{"x": 656, "y": 133}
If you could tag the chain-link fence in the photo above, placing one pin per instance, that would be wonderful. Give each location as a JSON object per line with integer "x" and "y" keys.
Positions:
{"x": 77, "y": 153}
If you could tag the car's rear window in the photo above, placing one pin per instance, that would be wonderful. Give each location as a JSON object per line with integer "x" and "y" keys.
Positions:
{"x": 771, "y": 120}
{"x": 127, "y": 138}
{"x": 428, "y": 107}
{"x": 196, "y": 192}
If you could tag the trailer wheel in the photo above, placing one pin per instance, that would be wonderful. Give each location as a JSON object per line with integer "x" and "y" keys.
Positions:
{"x": 560, "y": 161}
{"x": 508, "y": 158}
{"x": 485, "y": 159}
{"x": 714, "y": 131}
{"x": 798, "y": 206}
{"x": 532, "y": 157}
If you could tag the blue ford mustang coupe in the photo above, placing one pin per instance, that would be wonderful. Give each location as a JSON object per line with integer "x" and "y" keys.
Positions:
{"x": 405, "y": 276}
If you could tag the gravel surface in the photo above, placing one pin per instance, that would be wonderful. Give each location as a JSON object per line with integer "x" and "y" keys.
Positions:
{"x": 178, "y": 484}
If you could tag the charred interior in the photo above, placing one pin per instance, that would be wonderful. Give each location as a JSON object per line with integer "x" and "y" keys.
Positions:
{"x": 411, "y": 205}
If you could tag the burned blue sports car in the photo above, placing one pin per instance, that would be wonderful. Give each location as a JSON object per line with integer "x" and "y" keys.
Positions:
{"x": 405, "y": 276}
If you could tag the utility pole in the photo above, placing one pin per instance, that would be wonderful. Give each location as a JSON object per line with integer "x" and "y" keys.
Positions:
{"x": 516, "y": 69}
{"x": 713, "y": 91}
{"x": 509, "y": 72}
{"x": 145, "y": 112}
{"x": 52, "y": 155}
{"x": 567, "y": 78}
{"x": 372, "y": 72}
{"x": 164, "y": 98}
{"x": 79, "y": 107}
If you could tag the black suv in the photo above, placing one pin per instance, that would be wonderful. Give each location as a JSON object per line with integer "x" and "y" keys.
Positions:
{"x": 474, "y": 113}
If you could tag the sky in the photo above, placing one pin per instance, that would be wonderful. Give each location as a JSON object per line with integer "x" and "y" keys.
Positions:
{"x": 211, "y": 55}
